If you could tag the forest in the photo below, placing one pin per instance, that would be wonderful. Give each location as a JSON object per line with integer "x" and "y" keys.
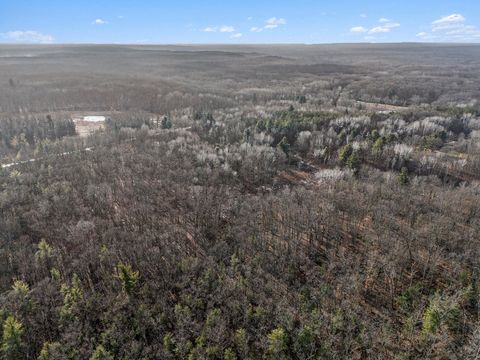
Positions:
{"x": 240, "y": 202}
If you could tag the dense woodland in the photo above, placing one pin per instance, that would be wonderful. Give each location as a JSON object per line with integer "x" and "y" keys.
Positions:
{"x": 241, "y": 203}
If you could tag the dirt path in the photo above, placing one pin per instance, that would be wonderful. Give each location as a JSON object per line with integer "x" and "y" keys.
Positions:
{"x": 382, "y": 107}
{"x": 87, "y": 149}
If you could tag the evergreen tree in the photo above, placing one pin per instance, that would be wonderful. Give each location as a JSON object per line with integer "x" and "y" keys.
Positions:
{"x": 403, "y": 178}
{"x": 101, "y": 354}
{"x": 127, "y": 277}
{"x": 247, "y": 136}
{"x": 353, "y": 163}
{"x": 166, "y": 123}
{"x": 344, "y": 153}
{"x": 378, "y": 145}
{"x": 277, "y": 343}
{"x": 11, "y": 339}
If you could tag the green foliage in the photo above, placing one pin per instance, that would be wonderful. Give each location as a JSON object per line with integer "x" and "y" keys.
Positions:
{"x": 344, "y": 153}
{"x": 20, "y": 288}
{"x": 284, "y": 146}
{"x": 277, "y": 342}
{"x": 168, "y": 342}
{"x": 229, "y": 354}
{"x": 338, "y": 320}
{"x": 353, "y": 162}
{"x": 432, "y": 318}
{"x": 440, "y": 311}
{"x": 403, "y": 178}
{"x": 378, "y": 145}
{"x": 432, "y": 142}
{"x": 204, "y": 116}
{"x": 166, "y": 123}
{"x": 101, "y": 354}
{"x": 72, "y": 294}
{"x": 127, "y": 276}
{"x": 456, "y": 112}
{"x": 44, "y": 250}
{"x": 183, "y": 349}
{"x": 55, "y": 274}
{"x": 374, "y": 136}
{"x": 260, "y": 126}
{"x": 15, "y": 174}
{"x": 11, "y": 339}
{"x": 241, "y": 342}
{"x": 407, "y": 298}
{"x": 49, "y": 350}
{"x": 304, "y": 345}
{"x": 247, "y": 136}
{"x": 213, "y": 317}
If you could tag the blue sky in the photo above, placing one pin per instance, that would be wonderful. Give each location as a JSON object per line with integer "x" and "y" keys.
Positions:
{"x": 247, "y": 21}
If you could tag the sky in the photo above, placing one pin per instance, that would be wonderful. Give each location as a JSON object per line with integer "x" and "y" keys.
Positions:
{"x": 235, "y": 21}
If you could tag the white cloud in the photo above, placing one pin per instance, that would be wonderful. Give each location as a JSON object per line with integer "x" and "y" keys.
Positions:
{"x": 449, "y": 22}
{"x": 210, "y": 29}
{"x": 28, "y": 36}
{"x": 385, "y": 27}
{"x": 99, "y": 22}
{"x": 227, "y": 29}
{"x": 273, "y": 23}
{"x": 464, "y": 29}
{"x": 358, "y": 29}
{"x": 363, "y": 15}
{"x": 454, "y": 18}
{"x": 236, "y": 36}
{"x": 250, "y": 18}
{"x": 452, "y": 28}
{"x": 425, "y": 36}
{"x": 256, "y": 29}
{"x": 222, "y": 29}
{"x": 379, "y": 29}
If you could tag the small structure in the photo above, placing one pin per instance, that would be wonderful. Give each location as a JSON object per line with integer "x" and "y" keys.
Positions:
{"x": 87, "y": 125}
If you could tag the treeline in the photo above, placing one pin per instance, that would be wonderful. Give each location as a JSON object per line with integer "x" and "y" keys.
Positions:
{"x": 23, "y": 135}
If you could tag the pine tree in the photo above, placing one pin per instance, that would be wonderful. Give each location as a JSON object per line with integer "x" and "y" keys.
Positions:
{"x": 11, "y": 339}
{"x": 378, "y": 145}
{"x": 277, "y": 343}
{"x": 247, "y": 136}
{"x": 101, "y": 354}
{"x": 127, "y": 277}
{"x": 345, "y": 152}
{"x": 166, "y": 123}
{"x": 353, "y": 163}
{"x": 403, "y": 178}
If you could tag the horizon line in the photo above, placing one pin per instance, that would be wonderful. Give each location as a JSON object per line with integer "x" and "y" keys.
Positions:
{"x": 239, "y": 44}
